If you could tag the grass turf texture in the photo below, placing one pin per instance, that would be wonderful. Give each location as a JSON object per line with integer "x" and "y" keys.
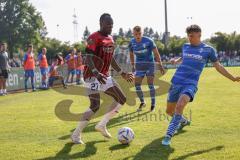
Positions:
{"x": 30, "y": 128}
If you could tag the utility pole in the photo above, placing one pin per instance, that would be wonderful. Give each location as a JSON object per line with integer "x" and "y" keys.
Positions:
{"x": 166, "y": 33}
{"x": 75, "y": 26}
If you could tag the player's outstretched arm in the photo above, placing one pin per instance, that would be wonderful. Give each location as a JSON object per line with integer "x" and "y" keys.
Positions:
{"x": 116, "y": 67}
{"x": 175, "y": 61}
{"x": 220, "y": 68}
{"x": 158, "y": 60}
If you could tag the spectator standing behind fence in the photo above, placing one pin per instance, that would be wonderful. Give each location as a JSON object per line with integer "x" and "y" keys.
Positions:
{"x": 79, "y": 67}
{"x": 71, "y": 63}
{"x": 43, "y": 63}
{"x": 29, "y": 66}
{"x": 4, "y": 68}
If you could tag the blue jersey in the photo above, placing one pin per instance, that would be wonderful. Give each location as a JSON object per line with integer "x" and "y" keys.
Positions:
{"x": 142, "y": 50}
{"x": 194, "y": 59}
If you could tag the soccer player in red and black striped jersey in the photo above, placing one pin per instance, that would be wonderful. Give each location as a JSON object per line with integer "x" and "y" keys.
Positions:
{"x": 99, "y": 58}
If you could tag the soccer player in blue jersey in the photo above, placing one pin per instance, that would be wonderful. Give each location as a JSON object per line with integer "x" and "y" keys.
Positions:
{"x": 144, "y": 51}
{"x": 195, "y": 55}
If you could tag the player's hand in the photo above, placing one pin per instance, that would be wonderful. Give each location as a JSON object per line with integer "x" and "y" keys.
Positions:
{"x": 101, "y": 78}
{"x": 128, "y": 77}
{"x": 173, "y": 61}
{"x": 133, "y": 69}
{"x": 162, "y": 70}
{"x": 236, "y": 79}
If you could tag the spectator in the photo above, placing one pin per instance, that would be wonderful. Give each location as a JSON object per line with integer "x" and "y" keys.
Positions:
{"x": 43, "y": 63}
{"x": 4, "y": 68}
{"x": 71, "y": 62}
{"x": 79, "y": 67}
{"x": 29, "y": 66}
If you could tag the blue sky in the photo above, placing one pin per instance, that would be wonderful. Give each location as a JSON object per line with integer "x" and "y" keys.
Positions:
{"x": 211, "y": 15}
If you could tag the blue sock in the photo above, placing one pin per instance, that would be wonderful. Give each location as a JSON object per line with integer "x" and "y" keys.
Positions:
{"x": 25, "y": 82}
{"x": 176, "y": 120}
{"x": 32, "y": 82}
{"x": 139, "y": 92}
{"x": 152, "y": 93}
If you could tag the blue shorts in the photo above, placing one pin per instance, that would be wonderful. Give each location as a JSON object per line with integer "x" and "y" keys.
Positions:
{"x": 51, "y": 80}
{"x": 72, "y": 71}
{"x": 29, "y": 73}
{"x": 143, "y": 70}
{"x": 176, "y": 91}
{"x": 44, "y": 71}
{"x": 78, "y": 71}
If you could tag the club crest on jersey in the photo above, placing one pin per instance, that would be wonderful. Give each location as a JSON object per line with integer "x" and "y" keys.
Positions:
{"x": 144, "y": 45}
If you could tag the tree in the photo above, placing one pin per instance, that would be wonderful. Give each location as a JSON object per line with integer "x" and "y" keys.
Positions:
{"x": 151, "y": 33}
{"x": 86, "y": 33}
{"x": 220, "y": 40}
{"x": 129, "y": 33}
{"x": 175, "y": 44}
{"x": 156, "y": 36}
{"x": 20, "y": 23}
{"x": 146, "y": 32}
{"x": 120, "y": 32}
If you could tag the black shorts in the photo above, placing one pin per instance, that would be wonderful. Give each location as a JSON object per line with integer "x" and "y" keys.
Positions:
{"x": 4, "y": 74}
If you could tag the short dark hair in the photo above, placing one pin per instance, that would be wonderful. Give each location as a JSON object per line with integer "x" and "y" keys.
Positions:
{"x": 3, "y": 44}
{"x": 29, "y": 45}
{"x": 193, "y": 28}
{"x": 137, "y": 29}
{"x": 103, "y": 16}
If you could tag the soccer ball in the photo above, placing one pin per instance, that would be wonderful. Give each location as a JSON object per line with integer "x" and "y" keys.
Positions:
{"x": 125, "y": 135}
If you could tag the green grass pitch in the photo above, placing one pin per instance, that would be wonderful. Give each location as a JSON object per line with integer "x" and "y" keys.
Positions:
{"x": 30, "y": 128}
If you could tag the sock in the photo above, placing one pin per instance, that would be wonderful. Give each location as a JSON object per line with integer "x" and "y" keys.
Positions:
{"x": 114, "y": 108}
{"x": 32, "y": 82}
{"x": 44, "y": 83}
{"x": 4, "y": 90}
{"x": 25, "y": 82}
{"x": 139, "y": 92}
{"x": 80, "y": 127}
{"x": 83, "y": 122}
{"x": 173, "y": 124}
{"x": 1, "y": 91}
{"x": 152, "y": 94}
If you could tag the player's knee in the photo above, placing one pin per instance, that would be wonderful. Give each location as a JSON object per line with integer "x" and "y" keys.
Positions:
{"x": 180, "y": 106}
{"x": 95, "y": 106}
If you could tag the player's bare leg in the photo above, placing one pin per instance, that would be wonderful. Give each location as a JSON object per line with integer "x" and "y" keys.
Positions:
{"x": 138, "y": 83}
{"x": 119, "y": 100}
{"x": 87, "y": 115}
{"x": 150, "y": 81}
{"x": 171, "y": 108}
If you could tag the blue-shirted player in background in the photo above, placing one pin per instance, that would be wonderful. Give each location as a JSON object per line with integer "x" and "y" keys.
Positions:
{"x": 144, "y": 51}
{"x": 195, "y": 55}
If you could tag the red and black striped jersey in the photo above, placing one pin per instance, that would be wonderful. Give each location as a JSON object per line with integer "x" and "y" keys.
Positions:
{"x": 102, "y": 48}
